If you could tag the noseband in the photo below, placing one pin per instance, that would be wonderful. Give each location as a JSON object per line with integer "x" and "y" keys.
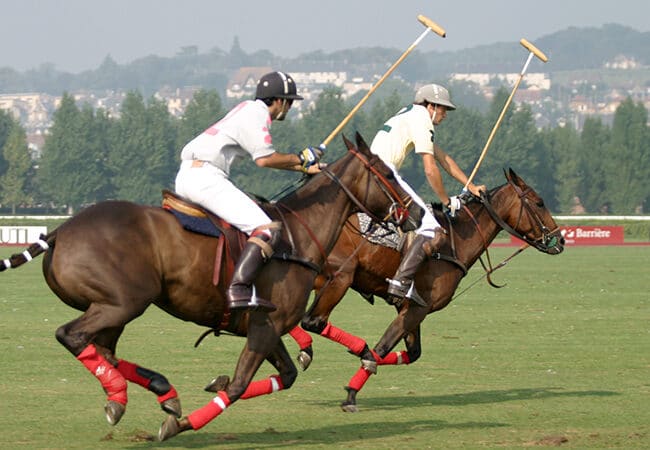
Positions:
{"x": 398, "y": 210}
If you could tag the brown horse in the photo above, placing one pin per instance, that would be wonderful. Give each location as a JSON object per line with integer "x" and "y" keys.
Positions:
{"x": 364, "y": 266}
{"x": 114, "y": 259}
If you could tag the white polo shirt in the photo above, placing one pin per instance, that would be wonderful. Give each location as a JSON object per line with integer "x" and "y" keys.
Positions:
{"x": 411, "y": 128}
{"x": 243, "y": 132}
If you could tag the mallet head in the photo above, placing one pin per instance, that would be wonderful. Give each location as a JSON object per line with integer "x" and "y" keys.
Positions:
{"x": 534, "y": 50}
{"x": 431, "y": 24}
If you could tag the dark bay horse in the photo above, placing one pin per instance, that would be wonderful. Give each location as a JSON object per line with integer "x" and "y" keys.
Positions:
{"x": 115, "y": 259}
{"x": 364, "y": 267}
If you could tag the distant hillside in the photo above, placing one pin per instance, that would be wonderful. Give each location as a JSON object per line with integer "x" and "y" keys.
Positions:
{"x": 570, "y": 49}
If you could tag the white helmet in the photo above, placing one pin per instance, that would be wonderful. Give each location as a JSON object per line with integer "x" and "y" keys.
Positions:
{"x": 436, "y": 94}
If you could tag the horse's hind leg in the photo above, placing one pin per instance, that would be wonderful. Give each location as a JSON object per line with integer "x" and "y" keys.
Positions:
{"x": 91, "y": 338}
{"x": 153, "y": 382}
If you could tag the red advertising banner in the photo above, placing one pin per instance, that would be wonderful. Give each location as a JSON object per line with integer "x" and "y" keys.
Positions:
{"x": 588, "y": 235}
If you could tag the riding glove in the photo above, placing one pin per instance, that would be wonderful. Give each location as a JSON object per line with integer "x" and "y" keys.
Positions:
{"x": 310, "y": 156}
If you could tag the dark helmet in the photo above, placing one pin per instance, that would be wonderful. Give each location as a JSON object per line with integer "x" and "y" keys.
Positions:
{"x": 277, "y": 85}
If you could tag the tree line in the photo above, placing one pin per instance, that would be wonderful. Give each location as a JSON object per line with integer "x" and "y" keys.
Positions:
{"x": 89, "y": 156}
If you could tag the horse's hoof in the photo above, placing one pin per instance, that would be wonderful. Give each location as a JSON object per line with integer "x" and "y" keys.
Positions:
{"x": 349, "y": 407}
{"x": 304, "y": 360}
{"x": 114, "y": 411}
{"x": 218, "y": 384}
{"x": 369, "y": 365}
{"x": 169, "y": 428}
{"x": 172, "y": 406}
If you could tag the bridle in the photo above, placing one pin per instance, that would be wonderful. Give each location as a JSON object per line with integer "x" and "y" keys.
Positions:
{"x": 544, "y": 243}
{"x": 548, "y": 238}
{"x": 398, "y": 210}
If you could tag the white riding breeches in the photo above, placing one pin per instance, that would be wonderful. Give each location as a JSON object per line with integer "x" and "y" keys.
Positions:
{"x": 429, "y": 222}
{"x": 207, "y": 185}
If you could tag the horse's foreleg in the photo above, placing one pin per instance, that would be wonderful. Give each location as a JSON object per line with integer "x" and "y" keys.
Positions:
{"x": 153, "y": 382}
{"x": 383, "y": 354}
{"x": 412, "y": 353}
{"x": 261, "y": 340}
{"x": 304, "y": 341}
{"x": 281, "y": 360}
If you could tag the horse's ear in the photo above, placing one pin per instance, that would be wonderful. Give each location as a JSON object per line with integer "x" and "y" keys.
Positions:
{"x": 514, "y": 178}
{"x": 361, "y": 143}
{"x": 348, "y": 143}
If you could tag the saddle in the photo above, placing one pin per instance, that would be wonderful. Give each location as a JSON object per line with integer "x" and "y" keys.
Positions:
{"x": 195, "y": 218}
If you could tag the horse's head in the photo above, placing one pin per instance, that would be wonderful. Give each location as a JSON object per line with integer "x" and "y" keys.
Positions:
{"x": 528, "y": 218}
{"x": 375, "y": 191}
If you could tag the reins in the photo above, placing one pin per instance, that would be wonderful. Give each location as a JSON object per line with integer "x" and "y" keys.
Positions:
{"x": 398, "y": 210}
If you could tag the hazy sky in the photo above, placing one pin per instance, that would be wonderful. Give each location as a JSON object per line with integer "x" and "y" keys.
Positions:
{"x": 76, "y": 35}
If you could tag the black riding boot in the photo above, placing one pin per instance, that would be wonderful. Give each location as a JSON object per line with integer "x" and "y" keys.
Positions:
{"x": 399, "y": 286}
{"x": 251, "y": 262}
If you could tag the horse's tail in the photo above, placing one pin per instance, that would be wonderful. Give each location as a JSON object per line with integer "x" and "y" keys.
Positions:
{"x": 18, "y": 259}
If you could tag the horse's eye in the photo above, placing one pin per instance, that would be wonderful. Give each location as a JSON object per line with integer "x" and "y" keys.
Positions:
{"x": 540, "y": 204}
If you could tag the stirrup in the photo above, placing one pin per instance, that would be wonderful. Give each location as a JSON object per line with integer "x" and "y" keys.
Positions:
{"x": 243, "y": 297}
{"x": 396, "y": 288}
{"x": 257, "y": 305}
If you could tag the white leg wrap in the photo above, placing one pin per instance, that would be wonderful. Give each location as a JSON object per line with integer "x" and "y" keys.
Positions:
{"x": 27, "y": 256}
{"x": 219, "y": 402}
{"x": 44, "y": 245}
{"x": 275, "y": 387}
{"x": 7, "y": 263}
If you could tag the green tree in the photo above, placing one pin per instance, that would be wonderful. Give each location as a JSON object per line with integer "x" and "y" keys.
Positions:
{"x": 594, "y": 142}
{"x": 204, "y": 109}
{"x": 143, "y": 157}
{"x": 515, "y": 144}
{"x": 14, "y": 180}
{"x": 6, "y": 125}
{"x": 561, "y": 154}
{"x": 71, "y": 170}
{"x": 628, "y": 158}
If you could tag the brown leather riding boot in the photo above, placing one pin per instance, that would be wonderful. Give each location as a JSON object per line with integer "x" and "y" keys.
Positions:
{"x": 251, "y": 262}
{"x": 399, "y": 286}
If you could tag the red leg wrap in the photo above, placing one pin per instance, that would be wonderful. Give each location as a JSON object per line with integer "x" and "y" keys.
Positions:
{"x": 353, "y": 343}
{"x": 128, "y": 370}
{"x": 263, "y": 387}
{"x": 111, "y": 379}
{"x": 171, "y": 394}
{"x": 394, "y": 359}
{"x": 302, "y": 338}
{"x": 359, "y": 379}
{"x": 202, "y": 416}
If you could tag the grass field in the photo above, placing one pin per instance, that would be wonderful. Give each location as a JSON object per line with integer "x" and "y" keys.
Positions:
{"x": 560, "y": 356}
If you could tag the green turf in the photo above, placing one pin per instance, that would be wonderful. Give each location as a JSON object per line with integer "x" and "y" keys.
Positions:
{"x": 560, "y": 356}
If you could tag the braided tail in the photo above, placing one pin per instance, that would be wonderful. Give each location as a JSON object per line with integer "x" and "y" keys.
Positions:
{"x": 18, "y": 259}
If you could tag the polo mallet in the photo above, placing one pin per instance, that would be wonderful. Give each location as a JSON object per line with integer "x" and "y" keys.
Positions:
{"x": 533, "y": 51}
{"x": 430, "y": 26}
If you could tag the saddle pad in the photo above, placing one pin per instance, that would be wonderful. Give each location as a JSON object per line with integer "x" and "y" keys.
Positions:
{"x": 388, "y": 235}
{"x": 200, "y": 225}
